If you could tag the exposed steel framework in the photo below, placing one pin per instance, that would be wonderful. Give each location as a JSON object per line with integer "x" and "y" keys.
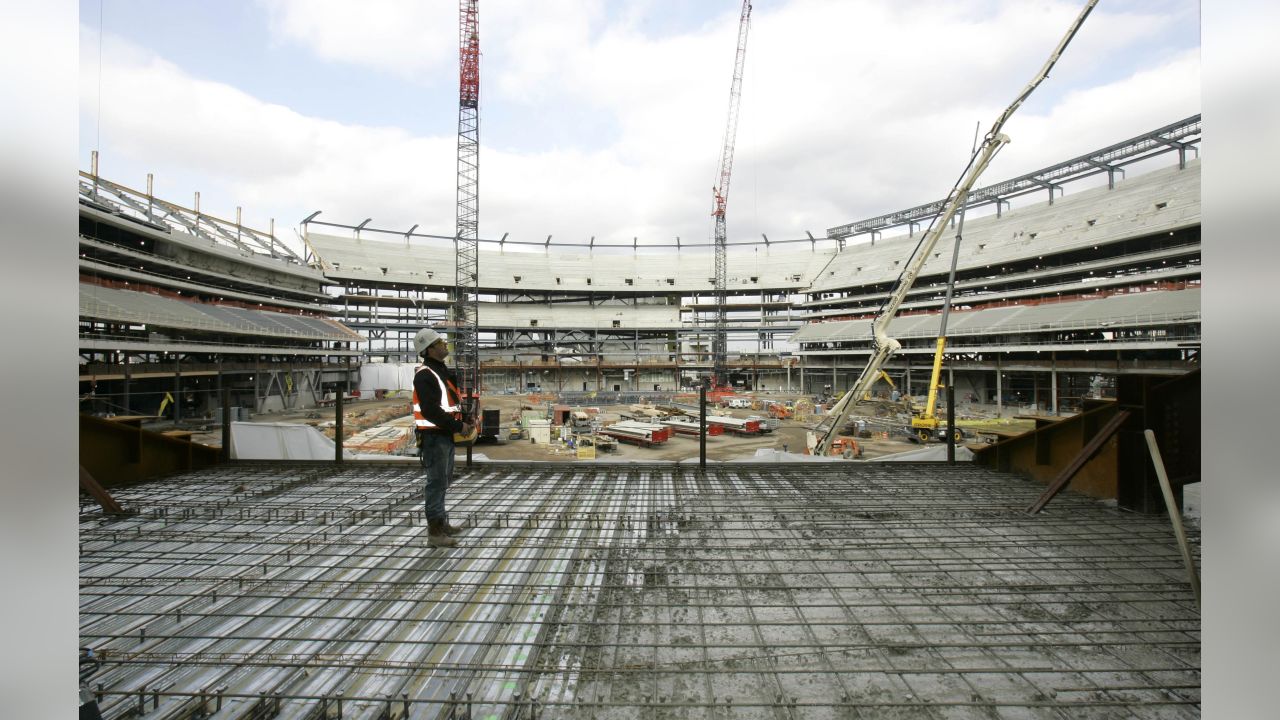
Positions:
{"x": 719, "y": 346}
{"x": 467, "y": 238}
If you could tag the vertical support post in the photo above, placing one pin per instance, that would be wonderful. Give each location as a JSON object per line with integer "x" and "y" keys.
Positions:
{"x": 226, "y": 422}
{"x": 1053, "y": 383}
{"x": 177, "y": 390}
{"x": 702, "y": 428}
{"x": 337, "y": 429}
{"x": 128, "y": 380}
{"x": 999, "y": 389}
{"x": 347, "y": 361}
{"x": 951, "y": 423}
{"x": 1175, "y": 516}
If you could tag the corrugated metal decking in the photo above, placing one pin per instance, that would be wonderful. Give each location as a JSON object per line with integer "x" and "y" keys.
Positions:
{"x": 590, "y": 591}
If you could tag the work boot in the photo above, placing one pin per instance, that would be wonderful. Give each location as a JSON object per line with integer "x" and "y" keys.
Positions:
{"x": 436, "y": 535}
{"x": 452, "y": 530}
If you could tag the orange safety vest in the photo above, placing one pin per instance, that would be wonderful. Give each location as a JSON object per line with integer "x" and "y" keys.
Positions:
{"x": 454, "y": 408}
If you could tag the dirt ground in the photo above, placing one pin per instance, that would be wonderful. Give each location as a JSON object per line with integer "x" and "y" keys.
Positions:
{"x": 789, "y": 436}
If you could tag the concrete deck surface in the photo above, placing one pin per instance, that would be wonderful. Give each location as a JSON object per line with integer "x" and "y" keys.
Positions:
{"x": 844, "y": 590}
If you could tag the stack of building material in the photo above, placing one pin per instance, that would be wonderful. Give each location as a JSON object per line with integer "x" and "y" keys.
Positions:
{"x": 735, "y": 425}
{"x": 638, "y": 433}
{"x": 380, "y": 440}
{"x": 685, "y": 425}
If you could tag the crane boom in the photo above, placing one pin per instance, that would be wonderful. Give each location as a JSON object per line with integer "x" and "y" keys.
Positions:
{"x": 720, "y": 199}
{"x": 884, "y": 345}
{"x": 721, "y": 191}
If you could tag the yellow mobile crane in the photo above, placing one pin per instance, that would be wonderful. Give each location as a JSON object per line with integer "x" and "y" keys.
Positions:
{"x": 925, "y": 424}
{"x": 882, "y": 344}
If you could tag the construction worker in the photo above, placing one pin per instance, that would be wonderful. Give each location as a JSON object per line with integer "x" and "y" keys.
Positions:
{"x": 437, "y": 415}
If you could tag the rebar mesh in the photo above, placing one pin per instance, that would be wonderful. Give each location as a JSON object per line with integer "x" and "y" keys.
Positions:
{"x": 816, "y": 591}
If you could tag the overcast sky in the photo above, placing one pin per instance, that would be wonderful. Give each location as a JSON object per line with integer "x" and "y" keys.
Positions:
{"x": 605, "y": 118}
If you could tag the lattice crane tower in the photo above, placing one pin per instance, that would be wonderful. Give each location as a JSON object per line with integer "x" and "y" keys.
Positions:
{"x": 719, "y": 344}
{"x": 466, "y": 355}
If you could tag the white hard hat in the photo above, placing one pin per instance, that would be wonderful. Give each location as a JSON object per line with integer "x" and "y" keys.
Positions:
{"x": 425, "y": 338}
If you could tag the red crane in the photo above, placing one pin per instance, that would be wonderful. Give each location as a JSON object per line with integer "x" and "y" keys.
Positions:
{"x": 466, "y": 299}
{"x": 720, "y": 195}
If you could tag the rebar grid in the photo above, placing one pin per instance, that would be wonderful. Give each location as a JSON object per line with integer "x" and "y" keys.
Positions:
{"x": 843, "y": 590}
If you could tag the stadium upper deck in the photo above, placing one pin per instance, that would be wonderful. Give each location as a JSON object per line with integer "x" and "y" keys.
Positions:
{"x": 1041, "y": 286}
{"x": 174, "y": 302}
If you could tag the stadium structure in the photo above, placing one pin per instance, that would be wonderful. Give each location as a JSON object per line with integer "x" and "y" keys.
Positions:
{"x": 177, "y": 306}
{"x": 1053, "y": 299}
{"x": 836, "y": 589}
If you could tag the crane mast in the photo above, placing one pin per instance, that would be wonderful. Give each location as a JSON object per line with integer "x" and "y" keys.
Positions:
{"x": 720, "y": 195}
{"x": 466, "y": 353}
{"x": 882, "y": 344}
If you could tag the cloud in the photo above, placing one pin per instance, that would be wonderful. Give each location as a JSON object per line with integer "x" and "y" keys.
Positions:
{"x": 408, "y": 38}
{"x": 592, "y": 125}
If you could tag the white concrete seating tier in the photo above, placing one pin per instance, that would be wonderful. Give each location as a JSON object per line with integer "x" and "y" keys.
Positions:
{"x": 1128, "y": 211}
{"x": 779, "y": 267}
{"x": 558, "y": 315}
{"x": 1157, "y": 201}
{"x": 1142, "y": 308}
{"x": 127, "y": 306}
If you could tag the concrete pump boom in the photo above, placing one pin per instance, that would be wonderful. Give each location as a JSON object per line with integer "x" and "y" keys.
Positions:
{"x": 883, "y": 344}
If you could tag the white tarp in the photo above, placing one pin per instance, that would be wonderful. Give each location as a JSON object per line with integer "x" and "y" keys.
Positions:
{"x": 291, "y": 441}
{"x": 386, "y": 376}
{"x": 280, "y": 441}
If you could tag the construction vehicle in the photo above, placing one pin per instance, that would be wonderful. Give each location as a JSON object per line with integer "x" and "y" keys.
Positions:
{"x": 845, "y": 447}
{"x": 168, "y": 398}
{"x": 883, "y": 346}
{"x": 777, "y": 410}
{"x": 883, "y": 376}
{"x": 925, "y": 423}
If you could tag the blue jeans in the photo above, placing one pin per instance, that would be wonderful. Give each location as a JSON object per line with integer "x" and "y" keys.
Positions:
{"x": 436, "y": 456}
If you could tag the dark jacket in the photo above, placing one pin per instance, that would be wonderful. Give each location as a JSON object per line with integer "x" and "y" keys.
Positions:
{"x": 424, "y": 383}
